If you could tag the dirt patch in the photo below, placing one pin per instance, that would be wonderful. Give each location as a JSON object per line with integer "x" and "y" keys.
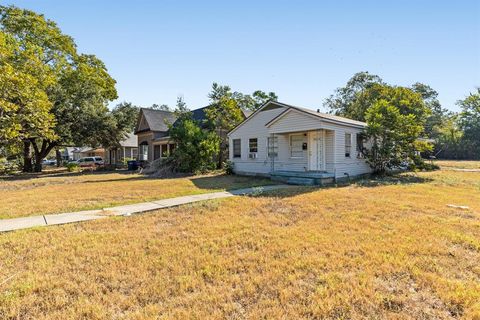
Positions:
{"x": 403, "y": 296}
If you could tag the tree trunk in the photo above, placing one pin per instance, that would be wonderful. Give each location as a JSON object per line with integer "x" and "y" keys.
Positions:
{"x": 38, "y": 163}
{"x": 41, "y": 153}
{"x": 59, "y": 157}
{"x": 27, "y": 157}
{"x": 220, "y": 157}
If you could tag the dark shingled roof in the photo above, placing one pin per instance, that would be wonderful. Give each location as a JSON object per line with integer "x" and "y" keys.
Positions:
{"x": 200, "y": 114}
{"x": 157, "y": 119}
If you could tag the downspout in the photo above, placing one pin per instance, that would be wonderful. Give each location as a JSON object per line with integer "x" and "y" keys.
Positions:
{"x": 273, "y": 147}
{"x": 318, "y": 149}
{"x": 335, "y": 155}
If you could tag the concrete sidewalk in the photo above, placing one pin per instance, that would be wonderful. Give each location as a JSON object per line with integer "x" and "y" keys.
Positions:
{"x": 126, "y": 210}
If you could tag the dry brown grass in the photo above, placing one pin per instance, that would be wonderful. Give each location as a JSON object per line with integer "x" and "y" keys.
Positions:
{"x": 458, "y": 164}
{"x": 74, "y": 192}
{"x": 379, "y": 249}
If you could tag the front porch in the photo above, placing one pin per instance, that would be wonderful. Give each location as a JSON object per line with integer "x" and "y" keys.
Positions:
{"x": 302, "y": 157}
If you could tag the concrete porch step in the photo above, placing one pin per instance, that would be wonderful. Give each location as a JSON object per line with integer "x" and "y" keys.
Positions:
{"x": 308, "y": 178}
{"x": 301, "y": 181}
{"x": 303, "y": 174}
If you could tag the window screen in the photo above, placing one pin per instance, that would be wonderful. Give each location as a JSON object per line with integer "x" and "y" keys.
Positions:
{"x": 237, "y": 148}
{"x": 348, "y": 144}
{"x": 272, "y": 146}
{"x": 297, "y": 142}
{"x": 253, "y": 145}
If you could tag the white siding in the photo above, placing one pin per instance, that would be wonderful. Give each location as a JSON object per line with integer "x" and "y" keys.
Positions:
{"x": 284, "y": 161}
{"x": 295, "y": 121}
{"x": 352, "y": 166}
{"x": 329, "y": 151}
{"x": 254, "y": 127}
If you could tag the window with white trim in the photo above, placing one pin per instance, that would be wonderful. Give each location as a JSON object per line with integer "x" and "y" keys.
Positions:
{"x": 272, "y": 146}
{"x": 348, "y": 145}
{"x": 237, "y": 148}
{"x": 298, "y": 144}
{"x": 253, "y": 145}
{"x": 144, "y": 152}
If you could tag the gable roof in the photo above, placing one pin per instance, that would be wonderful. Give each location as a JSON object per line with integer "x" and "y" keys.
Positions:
{"x": 324, "y": 116}
{"x": 156, "y": 119}
{"x": 201, "y": 114}
{"x": 321, "y": 115}
{"x": 130, "y": 141}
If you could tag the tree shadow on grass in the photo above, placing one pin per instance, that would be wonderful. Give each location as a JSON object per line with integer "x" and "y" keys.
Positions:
{"x": 366, "y": 182}
{"x": 397, "y": 179}
{"x": 229, "y": 182}
{"x": 207, "y": 182}
{"x": 60, "y": 174}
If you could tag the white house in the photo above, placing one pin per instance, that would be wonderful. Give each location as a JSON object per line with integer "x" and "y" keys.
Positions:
{"x": 297, "y": 145}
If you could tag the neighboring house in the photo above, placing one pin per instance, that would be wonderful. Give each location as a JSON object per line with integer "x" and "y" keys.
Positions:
{"x": 128, "y": 150}
{"x": 153, "y": 134}
{"x": 81, "y": 152}
{"x": 67, "y": 153}
{"x": 297, "y": 145}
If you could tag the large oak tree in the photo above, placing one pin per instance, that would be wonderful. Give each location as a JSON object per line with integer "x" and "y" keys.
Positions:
{"x": 78, "y": 93}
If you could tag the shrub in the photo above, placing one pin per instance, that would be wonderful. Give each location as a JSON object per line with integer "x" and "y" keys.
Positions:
{"x": 7, "y": 167}
{"x": 420, "y": 165}
{"x": 126, "y": 159}
{"x": 195, "y": 149}
{"x": 72, "y": 167}
{"x": 394, "y": 137}
{"x": 229, "y": 165}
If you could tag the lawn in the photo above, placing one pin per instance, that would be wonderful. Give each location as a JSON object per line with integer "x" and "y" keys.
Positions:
{"x": 388, "y": 248}
{"x": 74, "y": 192}
{"x": 451, "y": 164}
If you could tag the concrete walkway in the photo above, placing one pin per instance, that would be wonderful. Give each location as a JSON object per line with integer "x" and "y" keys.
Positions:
{"x": 126, "y": 210}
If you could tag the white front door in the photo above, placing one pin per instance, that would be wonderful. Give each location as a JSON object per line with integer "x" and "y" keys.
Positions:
{"x": 316, "y": 150}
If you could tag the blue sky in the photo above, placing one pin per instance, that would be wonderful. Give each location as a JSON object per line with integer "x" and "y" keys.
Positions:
{"x": 302, "y": 50}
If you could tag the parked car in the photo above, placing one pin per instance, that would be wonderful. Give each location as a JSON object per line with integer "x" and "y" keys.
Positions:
{"x": 90, "y": 162}
{"x": 47, "y": 162}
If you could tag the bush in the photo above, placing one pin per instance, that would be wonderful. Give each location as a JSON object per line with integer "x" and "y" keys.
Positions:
{"x": 72, "y": 167}
{"x": 7, "y": 167}
{"x": 423, "y": 166}
{"x": 229, "y": 166}
{"x": 125, "y": 160}
{"x": 195, "y": 149}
